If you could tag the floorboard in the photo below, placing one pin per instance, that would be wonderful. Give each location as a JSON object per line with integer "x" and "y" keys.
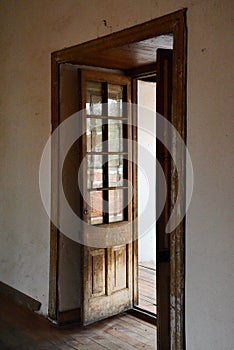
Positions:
{"x": 147, "y": 288}
{"x": 20, "y": 329}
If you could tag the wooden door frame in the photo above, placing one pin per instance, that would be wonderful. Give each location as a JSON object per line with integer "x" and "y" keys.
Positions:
{"x": 174, "y": 23}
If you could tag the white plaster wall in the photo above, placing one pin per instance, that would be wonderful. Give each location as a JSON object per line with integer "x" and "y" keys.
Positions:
{"x": 30, "y": 30}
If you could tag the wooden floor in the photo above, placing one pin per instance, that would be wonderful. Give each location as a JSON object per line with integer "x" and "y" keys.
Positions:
{"x": 22, "y": 330}
{"x": 147, "y": 288}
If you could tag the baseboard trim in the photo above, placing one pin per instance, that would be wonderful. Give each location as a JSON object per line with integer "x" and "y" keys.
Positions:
{"x": 19, "y": 297}
{"x": 70, "y": 316}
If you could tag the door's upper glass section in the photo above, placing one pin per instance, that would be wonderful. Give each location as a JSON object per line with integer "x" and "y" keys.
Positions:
{"x": 93, "y": 98}
{"x": 115, "y": 100}
{"x": 105, "y": 152}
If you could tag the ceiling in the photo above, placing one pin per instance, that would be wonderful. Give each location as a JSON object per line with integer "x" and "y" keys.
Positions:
{"x": 130, "y": 56}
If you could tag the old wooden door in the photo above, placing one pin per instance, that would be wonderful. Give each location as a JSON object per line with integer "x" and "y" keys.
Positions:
{"x": 106, "y": 194}
{"x": 164, "y": 108}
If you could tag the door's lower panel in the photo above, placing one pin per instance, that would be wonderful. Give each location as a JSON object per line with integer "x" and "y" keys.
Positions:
{"x": 107, "y": 282}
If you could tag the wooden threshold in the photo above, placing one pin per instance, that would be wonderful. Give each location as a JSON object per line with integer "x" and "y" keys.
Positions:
{"x": 143, "y": 315}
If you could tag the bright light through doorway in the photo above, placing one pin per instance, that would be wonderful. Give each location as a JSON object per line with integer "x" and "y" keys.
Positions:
{"x": 147, "y": 243}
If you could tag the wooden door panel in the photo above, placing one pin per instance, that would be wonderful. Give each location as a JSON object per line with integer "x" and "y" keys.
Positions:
{"x": 107, "y": 282}
{"x": 97, "y": 275}
{"x": 107, "y": 275}
{"x": 120, "y": 266}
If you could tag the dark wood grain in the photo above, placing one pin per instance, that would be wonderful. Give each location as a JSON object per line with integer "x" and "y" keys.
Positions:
{"x": 21, "y": 329}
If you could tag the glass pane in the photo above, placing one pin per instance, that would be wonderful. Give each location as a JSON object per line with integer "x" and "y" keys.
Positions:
{"x": 94, "y": 134}
{"x": 115, "y": 100}
{"x": 94, "y": 171}
{"x": 115, "y": 135}
{"x": 96, "y": 208}
{"x": 115, "y": 165}
{"x": 93, "y": 98}
{"x": 116, "y": 205}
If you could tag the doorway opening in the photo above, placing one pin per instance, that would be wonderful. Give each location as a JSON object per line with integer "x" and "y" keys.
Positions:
{"x": 133, "y": 55}
{"x": 146, "y": 98}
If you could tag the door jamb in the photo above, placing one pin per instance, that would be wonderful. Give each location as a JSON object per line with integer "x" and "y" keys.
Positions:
{"x": 173, "y": 23}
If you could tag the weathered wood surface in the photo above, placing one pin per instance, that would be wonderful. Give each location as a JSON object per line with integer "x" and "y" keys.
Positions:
{"x": 21, "y": 329}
